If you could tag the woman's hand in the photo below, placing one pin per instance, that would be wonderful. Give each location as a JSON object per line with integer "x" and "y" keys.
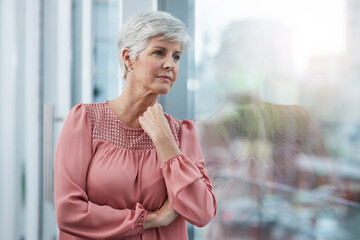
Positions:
{"x": 162, "y": 217}
{"x": 155, "y": 123}
{"x": 157, "y": 127}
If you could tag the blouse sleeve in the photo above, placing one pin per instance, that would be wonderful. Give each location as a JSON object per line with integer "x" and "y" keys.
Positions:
{"x": 188, "y": 194}
{"x": 75, "y": 213}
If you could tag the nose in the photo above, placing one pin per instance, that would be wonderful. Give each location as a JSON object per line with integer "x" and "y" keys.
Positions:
{"x": 169, "y": 63}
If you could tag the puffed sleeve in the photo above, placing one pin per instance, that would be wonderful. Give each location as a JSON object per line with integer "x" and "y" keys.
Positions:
{"x": 188, "y": 194}
{"x": 75, "y": 213}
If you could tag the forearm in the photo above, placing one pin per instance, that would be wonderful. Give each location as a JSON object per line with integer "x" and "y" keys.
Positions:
{"x": 189, "y": 189}
{"x": 196, "y": 203}
{"x": 151, "y": 220}
{"x": 162, "y": 217}
{"x": 155, "y": 220}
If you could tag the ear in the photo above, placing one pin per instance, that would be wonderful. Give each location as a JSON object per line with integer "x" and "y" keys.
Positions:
{"x": 126, "y": 57}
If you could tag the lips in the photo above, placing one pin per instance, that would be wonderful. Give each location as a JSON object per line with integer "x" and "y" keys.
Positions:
{"x": 166, "y": 77}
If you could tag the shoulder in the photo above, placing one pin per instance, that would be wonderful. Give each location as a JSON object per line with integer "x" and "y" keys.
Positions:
{"x": 94, "y": 111}
{"x": 93, "y": 108}
{"x": 178, "y": 127}
{"x": 173, "y": 121}
{"x": 175, "y": 125}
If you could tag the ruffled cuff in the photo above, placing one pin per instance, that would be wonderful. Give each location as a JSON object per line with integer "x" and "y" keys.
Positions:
{"x": 140, "y": 223}
{"x": 167, "y": 162}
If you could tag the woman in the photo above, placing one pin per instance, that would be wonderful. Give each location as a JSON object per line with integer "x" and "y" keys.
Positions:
{"x": 123, "y": 168}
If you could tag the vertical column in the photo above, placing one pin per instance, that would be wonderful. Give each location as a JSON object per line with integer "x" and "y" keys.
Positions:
{"x": 32, "y": 116}
{"x": 62, "y": 104}
{"x": 8, "y": 177}
{"x": 121, "y": 22}
{"x": 63, "y": 58}
{"x": 86, "y": 48}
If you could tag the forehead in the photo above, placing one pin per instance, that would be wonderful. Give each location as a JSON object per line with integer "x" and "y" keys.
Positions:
{"x": 168, "y": 44}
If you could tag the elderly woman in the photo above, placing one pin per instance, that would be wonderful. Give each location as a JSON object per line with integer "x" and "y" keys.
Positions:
{"x": 124, "y": 169}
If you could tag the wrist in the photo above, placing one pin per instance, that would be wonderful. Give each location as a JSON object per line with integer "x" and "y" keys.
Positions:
{"x": 162, "y": 137}
{"x": 166, "y": 146}
{"x": 152, "y": 220}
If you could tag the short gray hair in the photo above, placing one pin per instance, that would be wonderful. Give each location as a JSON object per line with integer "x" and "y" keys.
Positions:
{"x": 139, "y": 28}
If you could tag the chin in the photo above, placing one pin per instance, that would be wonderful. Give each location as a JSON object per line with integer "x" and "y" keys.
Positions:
{"x": 163, "y": 91}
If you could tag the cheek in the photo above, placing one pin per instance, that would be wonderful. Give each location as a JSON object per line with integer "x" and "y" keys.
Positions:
{"x": 147, "y": 71}
{"x": 153, "y": 68}
{"x": 176, "y": 71}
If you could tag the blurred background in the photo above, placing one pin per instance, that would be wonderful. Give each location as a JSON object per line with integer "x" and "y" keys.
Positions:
{"x": 274, "y": 87}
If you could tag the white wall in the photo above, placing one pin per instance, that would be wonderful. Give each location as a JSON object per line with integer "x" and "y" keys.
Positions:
{"x": 8, "y": 177}
{"x": 19, "y": 124}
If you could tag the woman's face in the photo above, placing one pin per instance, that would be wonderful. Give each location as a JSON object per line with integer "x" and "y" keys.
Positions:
{"x": 156, "y": 67}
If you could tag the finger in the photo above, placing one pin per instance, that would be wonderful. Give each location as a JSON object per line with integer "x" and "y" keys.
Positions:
{"x": 141, "y": 118}
{"x": 159, "y": 106}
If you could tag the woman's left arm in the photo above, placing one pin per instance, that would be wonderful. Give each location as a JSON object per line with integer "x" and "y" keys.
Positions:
{"x": 188, "y": 185}
{"x": 187, "y": 180}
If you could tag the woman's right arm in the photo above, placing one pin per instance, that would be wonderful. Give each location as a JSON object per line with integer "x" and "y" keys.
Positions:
{"x": 75, "y": 213}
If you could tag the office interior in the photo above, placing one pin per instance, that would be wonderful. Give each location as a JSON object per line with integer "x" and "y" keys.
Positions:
{"x": 273, "y": 86}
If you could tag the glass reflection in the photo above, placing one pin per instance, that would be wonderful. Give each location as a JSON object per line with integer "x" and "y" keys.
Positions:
{"x": 279, "y": 145}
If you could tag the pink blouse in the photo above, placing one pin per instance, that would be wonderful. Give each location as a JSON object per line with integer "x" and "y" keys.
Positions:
{"x": 107, "y": 176}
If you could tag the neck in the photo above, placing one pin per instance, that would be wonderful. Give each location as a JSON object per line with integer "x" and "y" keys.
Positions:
{"x": 131, "y": 104}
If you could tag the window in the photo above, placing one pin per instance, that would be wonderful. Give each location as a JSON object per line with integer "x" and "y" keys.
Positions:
{"x": 276, "y": 99}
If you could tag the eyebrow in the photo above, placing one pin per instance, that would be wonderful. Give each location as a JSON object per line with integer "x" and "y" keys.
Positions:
{"x": 164, "y": 49}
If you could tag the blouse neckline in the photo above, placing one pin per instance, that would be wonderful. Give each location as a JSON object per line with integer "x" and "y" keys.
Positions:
{"x": 112, "y": 113}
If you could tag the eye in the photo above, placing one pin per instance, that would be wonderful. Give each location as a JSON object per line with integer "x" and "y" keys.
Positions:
{"x": 176, "y": 57}
{"x": 159, "y": 53}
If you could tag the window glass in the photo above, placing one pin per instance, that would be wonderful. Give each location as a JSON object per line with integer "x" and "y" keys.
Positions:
{"x": 276, "y": 102}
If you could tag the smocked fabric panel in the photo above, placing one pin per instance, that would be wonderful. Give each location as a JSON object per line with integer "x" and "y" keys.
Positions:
{"x": 106, "y": 126}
